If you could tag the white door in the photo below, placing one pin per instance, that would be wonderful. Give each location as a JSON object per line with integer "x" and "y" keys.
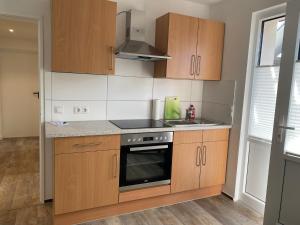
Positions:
{"x": 283, "y": 195}
{"x": 19, "y": 81}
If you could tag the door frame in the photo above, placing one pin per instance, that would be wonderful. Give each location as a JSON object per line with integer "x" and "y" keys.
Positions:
{"x": 254, "y": 45}
{"x": 278, "y": 156}
{"x": 41, "y": 66}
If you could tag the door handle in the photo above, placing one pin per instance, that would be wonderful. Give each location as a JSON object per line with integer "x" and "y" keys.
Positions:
{"x": 37, "y": 93}
{"x": 287, "y": 128}
{"x": 115, "y": 165}
{"x": 204, "y": 155}
{"x": 192, "y": 69}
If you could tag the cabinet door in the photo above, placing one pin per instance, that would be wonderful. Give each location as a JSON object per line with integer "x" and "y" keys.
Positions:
{"x": 182, "y": 45}
{"x": 185, "y": 167}
{"x": 210, "y": 50}
{"x": 86, "y": 180}
{"x": 213, "y": 163}
{"x": 83, "y": 36}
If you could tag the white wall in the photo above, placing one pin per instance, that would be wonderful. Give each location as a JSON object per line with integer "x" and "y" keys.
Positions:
{"x": 237, "y": 16}
{"x": 19, "y": 77}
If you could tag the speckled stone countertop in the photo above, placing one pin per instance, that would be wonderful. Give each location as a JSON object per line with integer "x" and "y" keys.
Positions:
{"x": 104, "y": 127}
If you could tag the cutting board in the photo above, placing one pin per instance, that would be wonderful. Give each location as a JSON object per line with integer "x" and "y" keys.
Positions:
{"x": 172, "y": 108}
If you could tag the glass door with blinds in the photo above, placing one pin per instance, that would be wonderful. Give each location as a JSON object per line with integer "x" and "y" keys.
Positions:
{"x": 283, "y": 195}
{"x": 261, "y": 109}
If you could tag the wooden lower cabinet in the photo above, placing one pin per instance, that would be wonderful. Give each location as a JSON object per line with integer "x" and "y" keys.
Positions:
{"x": 185, "y": 167}
{"x": 199, "y": 165}
{"x": 86, "y": 180}
{"x": 213, "y": 165}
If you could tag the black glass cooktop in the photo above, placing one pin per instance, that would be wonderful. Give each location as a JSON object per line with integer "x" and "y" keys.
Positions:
{"x": 139, "y": 124}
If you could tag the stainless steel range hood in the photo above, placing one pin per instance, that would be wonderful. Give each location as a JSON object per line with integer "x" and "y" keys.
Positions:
{"x": 135, "y": 47}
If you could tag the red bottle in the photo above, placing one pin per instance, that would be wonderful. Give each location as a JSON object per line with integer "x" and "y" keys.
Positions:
{"x": 191, "y": 112}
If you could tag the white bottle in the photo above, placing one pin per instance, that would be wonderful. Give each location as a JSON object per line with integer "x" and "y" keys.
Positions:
{"x": 155, "y": 109}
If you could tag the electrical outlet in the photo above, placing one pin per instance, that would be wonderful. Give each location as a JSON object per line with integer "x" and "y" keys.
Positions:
{"x": 85, "y": 109}
{"x": 77, "y": 110}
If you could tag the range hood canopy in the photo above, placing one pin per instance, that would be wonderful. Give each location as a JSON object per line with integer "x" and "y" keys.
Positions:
{"x": 135, "y": 47}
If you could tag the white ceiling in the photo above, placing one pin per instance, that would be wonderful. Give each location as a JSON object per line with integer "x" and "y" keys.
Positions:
{"x": 23, "y": 29}
{"x": 205, "y": 1}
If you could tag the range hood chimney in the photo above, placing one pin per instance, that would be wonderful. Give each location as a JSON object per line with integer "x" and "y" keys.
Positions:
{"x": 135, "y": 47}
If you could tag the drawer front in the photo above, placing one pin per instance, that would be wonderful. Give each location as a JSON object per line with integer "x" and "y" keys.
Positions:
{"x": 86, "y": 144}
{"x": 215, "y": 135}
{"x": 186, "y": 137}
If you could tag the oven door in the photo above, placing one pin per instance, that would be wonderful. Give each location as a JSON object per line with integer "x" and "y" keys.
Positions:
{"x": 145, "y": 165}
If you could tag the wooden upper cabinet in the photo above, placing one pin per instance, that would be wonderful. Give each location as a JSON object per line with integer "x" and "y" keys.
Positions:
{"x": 210, "y": 50}
{"x": 86, "y": 180}
{"x": 83, "y": 36}
{"x": 195, "y": 45}
{"x": 213, "y": 163}
{"x": 176, "y": 35}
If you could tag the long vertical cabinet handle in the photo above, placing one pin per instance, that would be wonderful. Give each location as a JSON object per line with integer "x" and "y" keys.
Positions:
{"x": 192, "y": 69}
{"x": 198, "y": 160}
{"x": 112, "y": 55}
{"x": 204, "y": 155}
{"x": 198, "y": 65}
{"x": 115, "y": 166}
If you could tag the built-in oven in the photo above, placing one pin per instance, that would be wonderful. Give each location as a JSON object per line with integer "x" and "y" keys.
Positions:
{"x": 146, "y": 160}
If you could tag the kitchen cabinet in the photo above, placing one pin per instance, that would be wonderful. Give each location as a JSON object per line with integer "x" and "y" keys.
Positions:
{"x": 86, "y": 174}
{"x": 185, "y": 167}
{"x": 200, "y": 163}
{"x": 213, "y": 163}
{"x": 195, "y": 45}
{"x": 83, "y": 36}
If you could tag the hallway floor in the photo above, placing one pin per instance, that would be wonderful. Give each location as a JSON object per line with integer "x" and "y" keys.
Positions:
{"x": 19, "y": 180}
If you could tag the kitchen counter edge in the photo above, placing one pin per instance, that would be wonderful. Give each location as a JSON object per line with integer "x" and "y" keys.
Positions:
{"x": 104, "y": 127}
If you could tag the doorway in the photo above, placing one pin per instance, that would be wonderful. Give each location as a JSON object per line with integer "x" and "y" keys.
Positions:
{"x": 19, "y": 114}
{"x": 259, "y": 106}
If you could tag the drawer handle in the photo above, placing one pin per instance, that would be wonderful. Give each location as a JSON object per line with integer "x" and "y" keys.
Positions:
{"x": 115, "y": 165}
{"x": 204, "y": 156}
{"x": 87, "y": 145}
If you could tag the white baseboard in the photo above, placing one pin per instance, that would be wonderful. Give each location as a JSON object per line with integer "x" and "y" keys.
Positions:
{"x": 253, "y": 203}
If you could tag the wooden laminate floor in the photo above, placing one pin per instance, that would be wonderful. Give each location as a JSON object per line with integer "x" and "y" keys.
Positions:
{"x": 19, "y": 182}
{"x": 212, "y": 211}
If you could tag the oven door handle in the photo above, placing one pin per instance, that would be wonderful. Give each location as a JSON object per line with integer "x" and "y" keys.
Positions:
{"x": 148, "y": 148}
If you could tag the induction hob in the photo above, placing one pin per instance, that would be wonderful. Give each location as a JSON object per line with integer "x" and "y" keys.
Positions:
{"x": 139, "y": 124}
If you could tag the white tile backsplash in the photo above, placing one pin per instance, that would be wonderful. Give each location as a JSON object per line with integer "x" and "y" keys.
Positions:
{"x": 80, "y": 87}
{"x": 125, "y": 67}
{"x": 129, "y": 88}
{"x": 97, "y": 110}
{"x": 118, "y": 110}
{"x": 197, "y": 90}
{"x": 116, "y": 97}
{"x": 166, "y": 87}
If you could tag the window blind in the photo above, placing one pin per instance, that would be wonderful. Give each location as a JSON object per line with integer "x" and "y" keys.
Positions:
{"x": 263, "y": 102}
{"x": 292, "y": 141}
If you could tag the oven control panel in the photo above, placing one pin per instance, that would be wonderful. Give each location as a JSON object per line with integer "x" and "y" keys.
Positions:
{"x": 146, "y": 138}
